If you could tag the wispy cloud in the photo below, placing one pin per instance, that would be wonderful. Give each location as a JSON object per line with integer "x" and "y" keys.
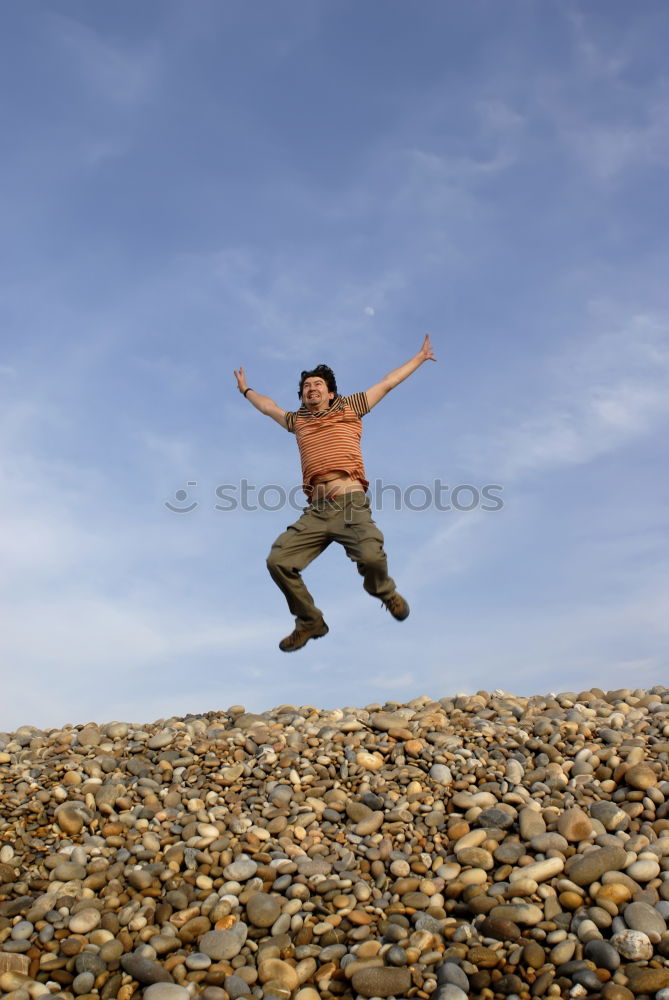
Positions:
{"x": 394, "y": 682}
{"x": 121, "y": 74}
{"x": 597, "y": 398}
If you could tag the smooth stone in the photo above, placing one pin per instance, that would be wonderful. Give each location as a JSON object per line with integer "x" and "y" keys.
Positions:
{"x": 633, "y": 945}
{"x": 83, "y": 983}
{"x": 385, "y": 721}
{"x": 549, "y": 842}
{"x": 144, "y": 970}
{"x": 450, "y": 973}
{"x": 643, "y": 870}
{"x": 241, "y": 869}
{"x": 84, "y": 921}
{"x": 68, "y": 871}
{"x": 526, "y": 914}
{"x": 499, "y": 928}
{"x": 222, "y": 945}
{"x": 396, "y": 955}
{"x": 643, "y": 917}
{"x": 495, "y": 818}
{"x": 111, "y": 951}
{"x": 275, "y": 969}
{"x": 514, "y": 771}
{"x": 613, "y": 991}
{"x": 450, "y": 992}
{"x": 574, "y": 825}
{"x": 370, "y": 824}
{"x": 588, "y": 979}
{"x": 508, "y": 852}
{"x": 139, "y": 878}
{"x": 198, "y": 961}
{"x": 381, "y": 982}
{"x": 161, "y": 739}
{"x": 590, "y": 867}
{"x": 166, "y": 991}
{"x": 88, "y": 961}
{"x": 563, "y": 951}
{"x": 89, "y": 737}
{"x": 531, "y": 823}
{"x": 235, "y": 986}
{"x": 641, "y": 777}
{"x": 647, "y": 980}
{"x": 442, "y": 774}
{"x": 476, "y": 857}
{"x": 71, "y": 818}
{"x": 263, "y": 910}
{"x": 603, "y": 954}
{"x": 539, "y": 871}
{"x": 534, "y": 955}
{"x": 22, "y": 930}
{"x": 610, "y": 815}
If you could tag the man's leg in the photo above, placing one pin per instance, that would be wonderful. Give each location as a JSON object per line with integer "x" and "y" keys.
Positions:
{"x": 363, "y": 543}
{"x": 290, "y": 554}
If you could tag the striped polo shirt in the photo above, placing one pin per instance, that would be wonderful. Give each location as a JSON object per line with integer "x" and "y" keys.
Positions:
{"x": 330, "y": 441}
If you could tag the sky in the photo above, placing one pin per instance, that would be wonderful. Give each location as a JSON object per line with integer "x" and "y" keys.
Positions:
{"x": 187, "y": 186}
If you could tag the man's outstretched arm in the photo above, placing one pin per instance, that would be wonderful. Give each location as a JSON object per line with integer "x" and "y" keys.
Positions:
{"x": 262, "y": 403}
{"x": 378, "y": 391}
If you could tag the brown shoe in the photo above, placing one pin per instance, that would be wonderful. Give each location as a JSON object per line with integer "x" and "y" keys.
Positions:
{"x": 397, "y": 606}
{"x": 301, "y": 636}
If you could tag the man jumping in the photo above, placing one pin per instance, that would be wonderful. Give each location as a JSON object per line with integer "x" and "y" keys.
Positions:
{"x": 328, "y": 428}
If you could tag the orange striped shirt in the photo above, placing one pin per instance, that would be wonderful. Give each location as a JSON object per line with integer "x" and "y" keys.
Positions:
{"x": 330, "y": 441}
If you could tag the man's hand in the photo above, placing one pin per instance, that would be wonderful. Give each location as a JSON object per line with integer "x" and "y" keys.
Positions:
{"x": 426, "y": 353}
{"x": 262, "y": 403}
{"x": 241, "y": 380}
{"x": 378, "y": 391}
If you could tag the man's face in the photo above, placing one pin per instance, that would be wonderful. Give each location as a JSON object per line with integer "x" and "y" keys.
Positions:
{"x": 315, "y": 395}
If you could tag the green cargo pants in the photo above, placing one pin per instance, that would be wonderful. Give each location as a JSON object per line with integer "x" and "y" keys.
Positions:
{"x": 346, "y": 519}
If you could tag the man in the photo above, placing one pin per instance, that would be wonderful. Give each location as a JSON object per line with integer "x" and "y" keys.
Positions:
{"x": 328, "y": 428}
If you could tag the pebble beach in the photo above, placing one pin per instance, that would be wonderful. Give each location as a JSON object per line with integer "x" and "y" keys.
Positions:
{"x": 481, "y": 845}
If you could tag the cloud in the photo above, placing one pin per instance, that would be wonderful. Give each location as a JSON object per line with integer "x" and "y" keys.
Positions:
{"x": 608, "y": 150}
{"x": 609, "y": 117}
{"x": 121, "y": 75}
{"x": 96, "y": 655}
{"x": 393, "y": 682}
{"x": 597, "y": 398}
{"x": 176, "y": 451}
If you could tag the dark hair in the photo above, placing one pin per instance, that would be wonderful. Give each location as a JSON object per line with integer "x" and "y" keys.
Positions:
{"x": 321, "y": 371}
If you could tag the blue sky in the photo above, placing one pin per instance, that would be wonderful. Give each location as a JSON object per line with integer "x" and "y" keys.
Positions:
{"x": 187, "y": 187}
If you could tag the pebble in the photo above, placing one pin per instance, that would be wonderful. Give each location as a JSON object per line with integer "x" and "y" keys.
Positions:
{"x": 643, "y": 917}
{"x": 450, "y": 992}
{"x": 263, "y": 910}
{"x": 474, "y": 845}
{"x": 590, "y": 867}
{"x": 633, "y": 945}
{"x": 222, "y": 945}
{"x": 166, "y": 991}
{"x": 450, "y": 973}
{"x": 603, "y": 954}
{"x": 84, "y": 921}
{"x": 145, "y": 970}
{"x": 647, "y": 980}
{"x": 574, "y": 824}
{"x": 381, "y": 982}
{"x": 441, "y": 774}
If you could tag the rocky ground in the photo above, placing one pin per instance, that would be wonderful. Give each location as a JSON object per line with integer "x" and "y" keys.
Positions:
{"x": 481, "y": 845}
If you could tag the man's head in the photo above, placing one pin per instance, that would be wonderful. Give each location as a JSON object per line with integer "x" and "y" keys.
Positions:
{"x": 317, "y": 388}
